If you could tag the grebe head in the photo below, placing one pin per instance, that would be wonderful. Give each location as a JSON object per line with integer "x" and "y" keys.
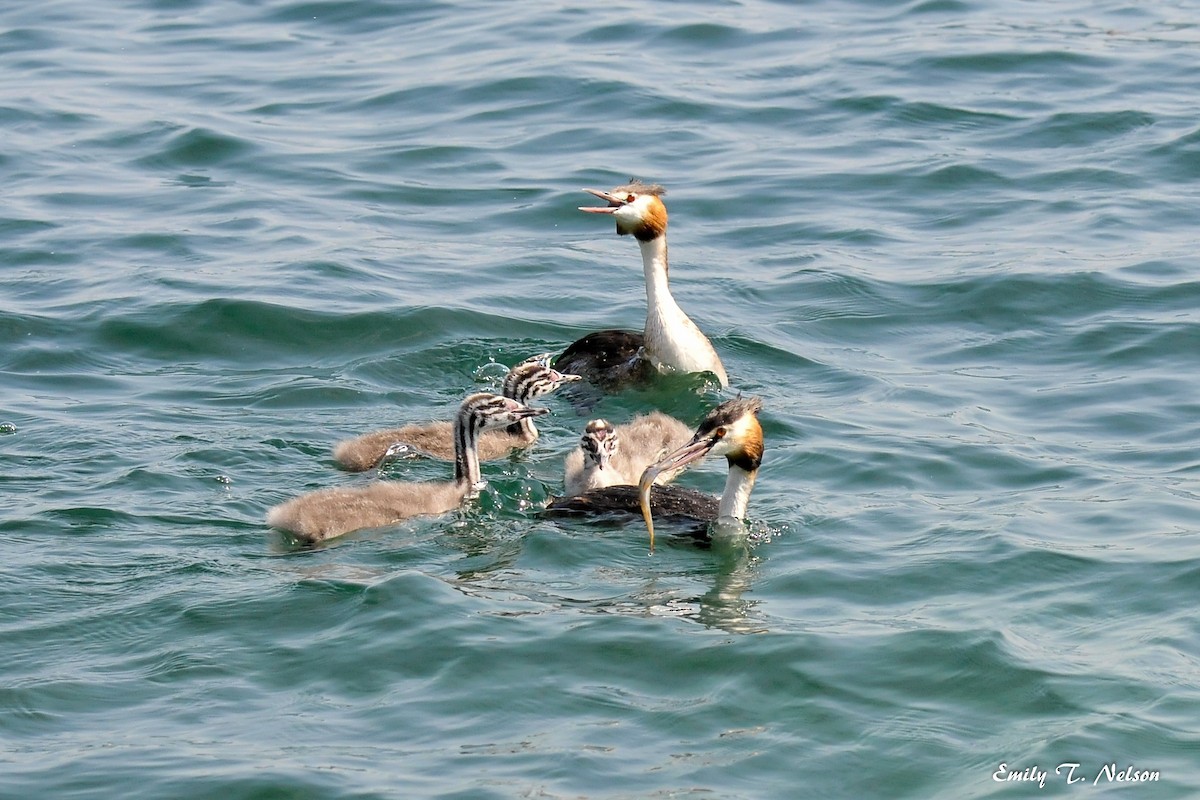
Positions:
{"x": 731, "y": 430}
{"x": 599, "y": 442}
{"x": 534, "y": 377}
{"x": 487, "y": 411}
{"x": 637, "y": 208}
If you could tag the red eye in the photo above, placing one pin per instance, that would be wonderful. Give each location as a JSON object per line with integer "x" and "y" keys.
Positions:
{"x": 630, "y": 198}
{"x": 721, "y": 432}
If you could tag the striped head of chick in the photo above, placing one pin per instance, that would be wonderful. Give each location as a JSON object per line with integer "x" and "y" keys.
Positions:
{"x": 599, "y": 443}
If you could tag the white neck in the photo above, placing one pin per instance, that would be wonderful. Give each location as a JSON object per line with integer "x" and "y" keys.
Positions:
{"x": 736, "y": 496}
{"x": 673, "y": 342}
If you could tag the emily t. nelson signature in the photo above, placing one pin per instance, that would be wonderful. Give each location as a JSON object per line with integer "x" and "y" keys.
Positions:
{"x": 1072, "y": 774}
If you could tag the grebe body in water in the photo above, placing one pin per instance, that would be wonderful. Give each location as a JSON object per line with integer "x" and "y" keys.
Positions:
{"x": 731, "y": 429}
{"x": 328, "y": 513}
{"x": 670, "y": 341}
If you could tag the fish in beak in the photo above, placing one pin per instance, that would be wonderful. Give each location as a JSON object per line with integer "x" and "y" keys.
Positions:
{"x": 690, "y": 453}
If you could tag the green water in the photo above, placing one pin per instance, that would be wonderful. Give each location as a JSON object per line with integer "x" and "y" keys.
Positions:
{"x": 951, "y": 245}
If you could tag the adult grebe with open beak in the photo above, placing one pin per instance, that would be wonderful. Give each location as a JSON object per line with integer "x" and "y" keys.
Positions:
{"x": 670, "y": 341}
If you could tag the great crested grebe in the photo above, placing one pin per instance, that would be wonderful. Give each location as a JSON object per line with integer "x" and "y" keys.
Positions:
{"x": 528, "y": 380}
{"x": 328, "y": 513}
{"x": 731, "y": 429}
{"x": 670, "y": 342}
{"x": 611, "y": 455}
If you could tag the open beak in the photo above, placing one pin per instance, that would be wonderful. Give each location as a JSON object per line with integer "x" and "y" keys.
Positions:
{"x": 691, "y": 452}
{"x": 613, "y": 203}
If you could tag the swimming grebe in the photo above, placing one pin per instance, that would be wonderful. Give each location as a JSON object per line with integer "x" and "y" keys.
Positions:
{"x": 670, "y": 342}
{"x": 528, "y": 380}
{"x": 328, "y": 513}
{"x": 610, "y": 455}
{"x": 731, "y": 429}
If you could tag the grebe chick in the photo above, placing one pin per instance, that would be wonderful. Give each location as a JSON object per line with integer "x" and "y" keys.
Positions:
{"x": 731, "y": 429}
{"x": 670, "y": 342}
{"x": 528, "y": 380}
{"x": 328, "y": 513}
{"x": 612, "y": 455}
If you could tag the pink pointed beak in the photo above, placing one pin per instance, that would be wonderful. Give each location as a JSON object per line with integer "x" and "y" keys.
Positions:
{"x": 613, "y": 202}
{"x": 564, "y": 377}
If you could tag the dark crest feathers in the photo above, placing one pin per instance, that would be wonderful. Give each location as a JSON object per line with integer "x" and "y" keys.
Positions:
{"x": 636, "y": 186}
